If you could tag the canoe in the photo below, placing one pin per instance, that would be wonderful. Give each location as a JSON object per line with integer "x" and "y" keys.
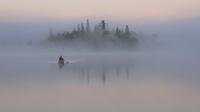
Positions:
{"x": 61, "y": 62}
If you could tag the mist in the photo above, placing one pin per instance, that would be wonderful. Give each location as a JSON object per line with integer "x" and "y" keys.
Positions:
{"x": 160, "y": 74}
{"x": 174, "y": 34}
{"x": 174, "y": 44}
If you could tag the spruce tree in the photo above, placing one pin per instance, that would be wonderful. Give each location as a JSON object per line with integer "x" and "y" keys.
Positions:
{"x": 127, "y": 32}
{"x": 82, "y": 28}
{"x": 78, "y": 28}
{"x": 87, "y": 26}
{"x": 103, "y": 24}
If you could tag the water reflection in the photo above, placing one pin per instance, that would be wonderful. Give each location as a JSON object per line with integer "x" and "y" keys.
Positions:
{"x": 99, "y": 69}
{"x": 60, "y": 65}
{"x": 96, "y": 83}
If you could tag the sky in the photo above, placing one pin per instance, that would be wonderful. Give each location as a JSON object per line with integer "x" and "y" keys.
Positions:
{"x": 32, "y": 19}
{"x": 114, "y": 9}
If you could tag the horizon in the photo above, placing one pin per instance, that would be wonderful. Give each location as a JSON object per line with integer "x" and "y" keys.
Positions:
{"x": 129, "y": 56}
{"x": 25, "y": 20}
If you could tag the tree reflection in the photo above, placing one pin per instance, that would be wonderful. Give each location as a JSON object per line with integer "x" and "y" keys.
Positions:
{"x": 92, "y": 71}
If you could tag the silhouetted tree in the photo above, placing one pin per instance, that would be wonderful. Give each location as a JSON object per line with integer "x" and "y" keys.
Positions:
{"x": 124, "y": 37}
{"x": 82, "y": 28}
{"x": 78, "y": 28}
{"x": 73, "y": 34}
{"x": 103, "y": 24}
{"x": 118, "y": 32}
{"x": 127, "y": 32}
{"x": 87, "y": 26}
{"x": 103, "y": 27}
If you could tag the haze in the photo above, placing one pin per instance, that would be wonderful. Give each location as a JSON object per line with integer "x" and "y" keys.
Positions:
{"x": 125, "y": 9}
{"x": 33, "y": 18}
{"x": 159, "y": 75}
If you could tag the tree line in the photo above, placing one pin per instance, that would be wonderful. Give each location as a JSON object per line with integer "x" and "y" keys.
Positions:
{"x": 99, "y": 36}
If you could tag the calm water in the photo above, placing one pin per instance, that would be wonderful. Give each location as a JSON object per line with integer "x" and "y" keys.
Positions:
{"x": 31, "y": 81}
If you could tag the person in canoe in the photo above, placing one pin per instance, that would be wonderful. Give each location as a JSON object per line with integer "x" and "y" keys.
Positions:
{"x": 61, "y": 60}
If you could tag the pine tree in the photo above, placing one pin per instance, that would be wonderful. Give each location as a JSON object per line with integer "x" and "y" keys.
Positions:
{"x": 103, "y": 24}
{"x": 103, "y": 27}
{"x": 82, "y": 28}
{"x": 78, "y": 28}
{"x": 118, "y": 32}
{"x": 127, "y": 32}
{"x": 87, "y": 26}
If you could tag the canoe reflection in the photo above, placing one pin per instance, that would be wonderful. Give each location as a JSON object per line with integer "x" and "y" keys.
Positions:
{"x": 104, "y": 70}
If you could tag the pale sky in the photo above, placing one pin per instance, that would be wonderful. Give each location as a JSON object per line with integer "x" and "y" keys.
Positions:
{"x": 117, "y": 9}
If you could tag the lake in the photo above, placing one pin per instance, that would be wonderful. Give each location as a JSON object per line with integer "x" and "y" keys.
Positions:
{"x": 142, "y": 81}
